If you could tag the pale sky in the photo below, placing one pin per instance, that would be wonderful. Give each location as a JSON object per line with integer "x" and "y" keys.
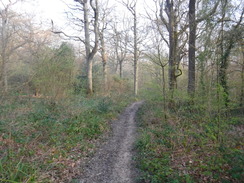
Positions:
{"x": 46, "y": 10}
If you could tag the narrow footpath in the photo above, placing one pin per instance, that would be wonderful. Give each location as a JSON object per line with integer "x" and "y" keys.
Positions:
{"x": 113, "y": 162}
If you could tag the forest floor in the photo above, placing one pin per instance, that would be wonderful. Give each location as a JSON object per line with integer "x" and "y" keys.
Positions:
{"x": 89, "y": 140}
{"x": 113, "y": 160}
{"x": 46, "y": 141}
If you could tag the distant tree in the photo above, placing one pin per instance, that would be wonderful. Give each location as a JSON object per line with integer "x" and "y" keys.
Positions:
{"x": 131, "y": 6}
{"x": 228, "y": 40}
{"x": 13, "y": 35}
{"x": 192, "y": 47}
{"x": 54, "y": 70}
{"x": 193, "y": 21}
{"x": 90, "y": 52}
{"x": 172, "y": 17}
{"x": 242, "y": 75}
{"x": 156, "y": 56}
{"x": 89, "y": 23}
{"x": 120, "y": 43}
{"x": 103, "y": 24}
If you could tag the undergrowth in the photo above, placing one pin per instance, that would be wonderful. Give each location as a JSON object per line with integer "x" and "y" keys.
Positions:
{"x": 193, "y": 144}
{"x": 45, "y": 141}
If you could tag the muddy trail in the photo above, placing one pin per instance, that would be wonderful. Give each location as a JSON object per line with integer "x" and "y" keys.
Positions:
{"x": 113, "y": 163}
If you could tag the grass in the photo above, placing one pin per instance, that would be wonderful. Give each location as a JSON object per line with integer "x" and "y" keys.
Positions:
{"x": 192, "y": 145}
{"x": 43, "y": 141}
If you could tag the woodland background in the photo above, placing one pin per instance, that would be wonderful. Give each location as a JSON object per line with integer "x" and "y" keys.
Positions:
{"x": 60, "y": 88}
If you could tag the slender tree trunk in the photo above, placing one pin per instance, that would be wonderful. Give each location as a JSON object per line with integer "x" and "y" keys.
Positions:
{"x": 131, "y": 6}
{"x": 104, "y": 60}
{"x": 224, "y": 54}
{"x": 105, "y": 76}
{"x": 192, "y": 48}
{"x": 242, "y": 81}
{"x": 135, "y": 55}
{"x": 90, "y": 53}
{"x": 202, "y": 81}
{"x": 116, "y": 67}
{"x": 88, "y": 49}
{"x": 172, "y": 47}
{"x": 4, "y": 78}
{"x": 120, "y": 69}
{"x": 118, "y": 57}
{"x": 164, "y": 91}
{"x": 89, "y": 76}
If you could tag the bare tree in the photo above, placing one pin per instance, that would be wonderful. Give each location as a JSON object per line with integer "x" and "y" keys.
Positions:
{"x": 228, "y": 40}
{"x": 192, "y": 42}
{"x": 120, "y": 42}
{"x": 90, "y": 53}
{"x": 89, "y": 23}
{"x": 172, "y": 17}
{"x": 157, "y": 57}
{"x": 131, "y": 6}
{"x": 105, "y": 11}
{"x": 12, "y": 37}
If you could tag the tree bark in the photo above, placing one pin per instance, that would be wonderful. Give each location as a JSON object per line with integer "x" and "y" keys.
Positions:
{"x": 89, "y": 76}
{"x": 135, "y": 54}
{"x": 4, "y": 78}
{"x": 90, "y": 53}
{"x": 172, "y": 46}
{"x": 226, "y": 45}
{"x": 164, "y": 90}
{"x": 120, "y": 69}
{"x": 242, "y": 79}
{"x": 131, "y": 6}
{"x": 104, "y": 60}
{"x": 88, "y": 49}
{"x": 192, "y": 48}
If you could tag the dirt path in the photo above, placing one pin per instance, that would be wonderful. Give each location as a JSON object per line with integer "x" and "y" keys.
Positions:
{"x": 113, "y": 161}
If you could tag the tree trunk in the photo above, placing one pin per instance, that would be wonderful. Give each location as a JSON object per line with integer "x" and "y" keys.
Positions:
{"x": 104, "y": 60}
{"x": 135, "y": 55}
{"x": 242, "y": 81}
{"x": 88, "y": 49}
{"x": 202, "y": 75}
{"x": 224, "y": 54}
{"x": 164, "y": 91}
{"x": 4, "y": 78}
{"x": 172, "y": 47}
{"x": 90, "y": 53}
{"x": 105, "y": 76}
{"x": 120, "y": 69}
{"x": 192, "y": 48}
{"x": 89, "y": 77}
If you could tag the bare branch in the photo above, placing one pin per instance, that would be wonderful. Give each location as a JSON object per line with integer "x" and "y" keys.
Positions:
{"x": 75, "y": 38}
{"x": 209, "y": 13}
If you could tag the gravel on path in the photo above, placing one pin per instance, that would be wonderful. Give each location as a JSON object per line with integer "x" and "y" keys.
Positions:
{"x": 113, "y": 162}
